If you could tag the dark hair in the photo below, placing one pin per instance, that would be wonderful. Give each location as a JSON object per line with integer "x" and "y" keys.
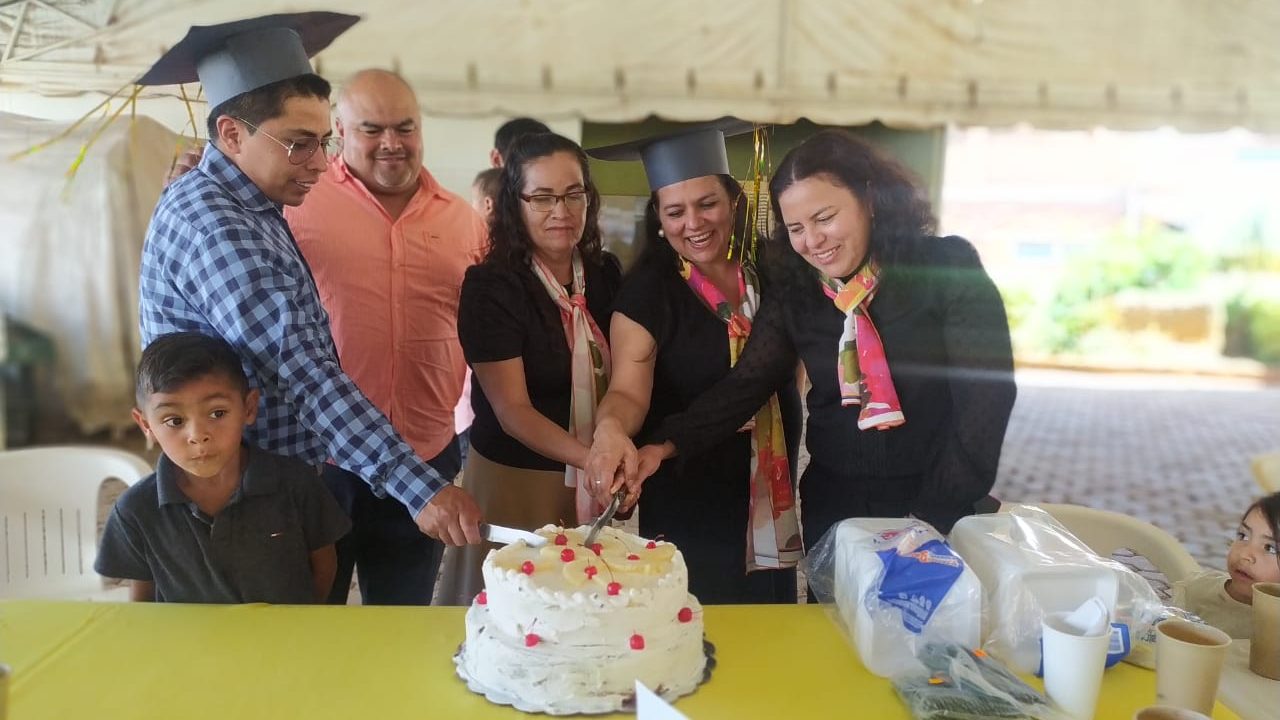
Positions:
{"x": 511, "y": 246}
{"x": 898, "y": 208}
{"x": 1269, "y": 506}
{"x": 267, "y": 102}
{"x": 515, "y": 128}
{"x": 656, "y": 245}
{"x": 489, "y": 181}
{"x": 175, "y": 359}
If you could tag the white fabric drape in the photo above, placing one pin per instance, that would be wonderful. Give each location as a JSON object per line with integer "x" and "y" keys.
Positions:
{"x": 70, "y": 253}
{"x": 1190, "y": 64}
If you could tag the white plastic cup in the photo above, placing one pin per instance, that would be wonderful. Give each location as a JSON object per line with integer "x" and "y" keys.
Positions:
{"x": 1168, "y": 712}
{"x": 1073, "y": 665}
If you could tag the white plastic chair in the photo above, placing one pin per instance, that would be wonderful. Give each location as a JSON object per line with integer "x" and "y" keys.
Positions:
{"x": 1266, "y": 470}
{"x": 49, "y": 519}
{"x": 1105, "y": 532}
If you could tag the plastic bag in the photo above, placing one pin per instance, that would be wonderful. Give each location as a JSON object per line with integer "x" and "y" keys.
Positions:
{"x": 963, "y": 684}
{"x": 1030, "y": 565}
{"x": 895, "y": 585}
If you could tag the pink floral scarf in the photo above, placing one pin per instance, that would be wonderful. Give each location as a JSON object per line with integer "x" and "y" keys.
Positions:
{"x": 861, "y": 364}
{"x": 773, "y": 533}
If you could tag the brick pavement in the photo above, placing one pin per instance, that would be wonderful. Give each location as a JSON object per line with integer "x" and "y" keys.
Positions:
{"x": 1173, "y": 451}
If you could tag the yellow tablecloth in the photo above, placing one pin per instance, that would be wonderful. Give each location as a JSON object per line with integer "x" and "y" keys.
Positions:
{"x": 84, "y": 660}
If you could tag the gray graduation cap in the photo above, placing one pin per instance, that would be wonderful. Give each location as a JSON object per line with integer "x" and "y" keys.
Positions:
{"x": 682, "y": 155}
{"x": 233, "y": 58}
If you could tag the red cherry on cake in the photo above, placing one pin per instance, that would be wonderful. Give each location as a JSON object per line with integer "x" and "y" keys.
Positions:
{"x": 685, "y": 615}
{"x": 590, "y": 570}
{"x": 651, "y": 545}
{"x": 596, "y": 547}
{"x": 613, "y": 588}
{"x": 566, "y": 555}
{"x": 562, "y": 539}
{"x": 531, "y": 639}
{"x": 637, "y": 642}
{"x": 527, "y": 567}
{"x": 633, "y": 556}
{"x": 482, "y": 598}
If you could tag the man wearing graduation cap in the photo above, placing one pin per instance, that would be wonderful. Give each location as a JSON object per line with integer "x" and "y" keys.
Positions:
{"x": 220, "y": 259}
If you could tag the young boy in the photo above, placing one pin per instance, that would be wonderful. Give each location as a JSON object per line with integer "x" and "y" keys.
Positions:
{"x": 218, "y": 521}
{"x": 484, "y": 192}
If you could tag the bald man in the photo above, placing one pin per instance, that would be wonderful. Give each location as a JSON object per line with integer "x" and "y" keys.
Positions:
{"x": 388, "y": 247}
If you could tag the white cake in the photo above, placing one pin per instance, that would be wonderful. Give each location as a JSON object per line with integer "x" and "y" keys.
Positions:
{"x": 567, "y": 629}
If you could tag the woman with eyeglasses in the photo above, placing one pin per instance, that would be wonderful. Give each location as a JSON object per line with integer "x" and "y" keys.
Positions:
{"x": 680, "y": 322}
{"x": 530, "y": 321}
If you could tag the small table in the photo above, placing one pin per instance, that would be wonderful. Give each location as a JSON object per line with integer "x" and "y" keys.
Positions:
{"x": 142, "y": 660}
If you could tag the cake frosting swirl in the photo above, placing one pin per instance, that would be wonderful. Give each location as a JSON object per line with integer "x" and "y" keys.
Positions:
{"x": 564, "y": 628}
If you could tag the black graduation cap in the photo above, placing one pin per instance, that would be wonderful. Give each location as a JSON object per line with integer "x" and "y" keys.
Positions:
{"x": 687, "y": 153}
{"x": 233, "y": 58}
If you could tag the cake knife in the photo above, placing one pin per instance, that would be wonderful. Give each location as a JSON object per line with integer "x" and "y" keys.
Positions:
{"x": 506, "y": 535}
{"x": 605, "y": 516}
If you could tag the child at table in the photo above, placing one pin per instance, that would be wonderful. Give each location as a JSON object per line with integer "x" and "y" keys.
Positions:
{"x": 219, "y": 521}
{"x": 1224, "y": 600}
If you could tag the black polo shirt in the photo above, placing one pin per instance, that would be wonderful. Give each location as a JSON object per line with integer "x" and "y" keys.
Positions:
{"x": 257, "y": 549}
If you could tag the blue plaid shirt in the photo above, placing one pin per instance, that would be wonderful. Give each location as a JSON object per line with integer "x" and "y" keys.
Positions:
{"x": 219, "y": 259}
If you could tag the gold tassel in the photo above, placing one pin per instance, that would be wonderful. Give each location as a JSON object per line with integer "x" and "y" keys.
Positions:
{"x": 97, "y": 133}
{"x": 62, "y": 135}
{"x": 757, "y": 202}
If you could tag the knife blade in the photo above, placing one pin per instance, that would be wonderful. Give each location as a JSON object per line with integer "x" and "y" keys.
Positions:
{"x": 605, "y": 516}
{"x": 506, "y": 535}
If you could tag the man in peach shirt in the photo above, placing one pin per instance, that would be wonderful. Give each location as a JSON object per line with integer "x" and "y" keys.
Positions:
{"x": 388, "y": 247}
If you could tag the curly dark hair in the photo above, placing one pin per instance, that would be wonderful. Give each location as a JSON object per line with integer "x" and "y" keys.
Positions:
{"x": 657, "y": 247}
{"x": 891, "y": 194}
{"x": 510, "y": 244}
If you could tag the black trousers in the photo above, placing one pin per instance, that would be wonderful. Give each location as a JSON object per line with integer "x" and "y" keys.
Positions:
{"x": 397, "y": 563}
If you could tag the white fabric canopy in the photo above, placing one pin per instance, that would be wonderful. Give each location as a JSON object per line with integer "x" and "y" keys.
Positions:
{"x": 1191, "y": 64}
{"x": 70, "y": 252}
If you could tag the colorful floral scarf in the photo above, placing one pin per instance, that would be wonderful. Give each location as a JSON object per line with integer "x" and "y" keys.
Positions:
{"x": 861, "y": 364}
{"x": 773, "y": 533}
{"x": 591, "y": 368}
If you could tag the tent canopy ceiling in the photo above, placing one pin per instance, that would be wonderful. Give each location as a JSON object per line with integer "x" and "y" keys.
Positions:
{"x": 910, "y": 63}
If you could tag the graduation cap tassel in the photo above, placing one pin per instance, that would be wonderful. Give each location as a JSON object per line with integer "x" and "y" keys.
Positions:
{"x": 191, "y": 113}
{"x": 757, "y": 203}
{"x": 70, "y": 129}
{"x": 97, "y": 133}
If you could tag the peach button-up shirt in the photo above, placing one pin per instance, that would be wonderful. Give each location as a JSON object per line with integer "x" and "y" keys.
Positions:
{"x": 391, "y": 290}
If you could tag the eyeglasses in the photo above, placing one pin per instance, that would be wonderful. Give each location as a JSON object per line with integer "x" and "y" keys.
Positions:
{"x": 301, "y": 151}
{"x": 573, "y": 200}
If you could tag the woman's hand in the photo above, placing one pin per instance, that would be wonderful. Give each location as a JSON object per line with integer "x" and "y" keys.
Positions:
{"x": 611, "y": 463}
{"x": 648, "y": 459}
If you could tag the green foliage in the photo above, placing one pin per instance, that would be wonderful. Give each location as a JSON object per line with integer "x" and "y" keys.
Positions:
{"x": 1155, "y": 259}
{"x": 1253, "y": 327}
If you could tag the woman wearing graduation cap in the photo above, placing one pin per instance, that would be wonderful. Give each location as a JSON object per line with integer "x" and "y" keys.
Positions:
{"x": 530, "y": 319}
{"x": 903, "y": 335}
{"x": 680, "y": 322}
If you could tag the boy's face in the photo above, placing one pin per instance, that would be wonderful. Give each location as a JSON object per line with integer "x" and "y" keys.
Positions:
{"x": 199, "y": 424}
{"x": 1252, "y": 557}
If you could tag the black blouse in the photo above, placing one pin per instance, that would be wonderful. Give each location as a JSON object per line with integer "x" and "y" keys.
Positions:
{"x": 505, "y": 314}
{"x": 946, "y": 339}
